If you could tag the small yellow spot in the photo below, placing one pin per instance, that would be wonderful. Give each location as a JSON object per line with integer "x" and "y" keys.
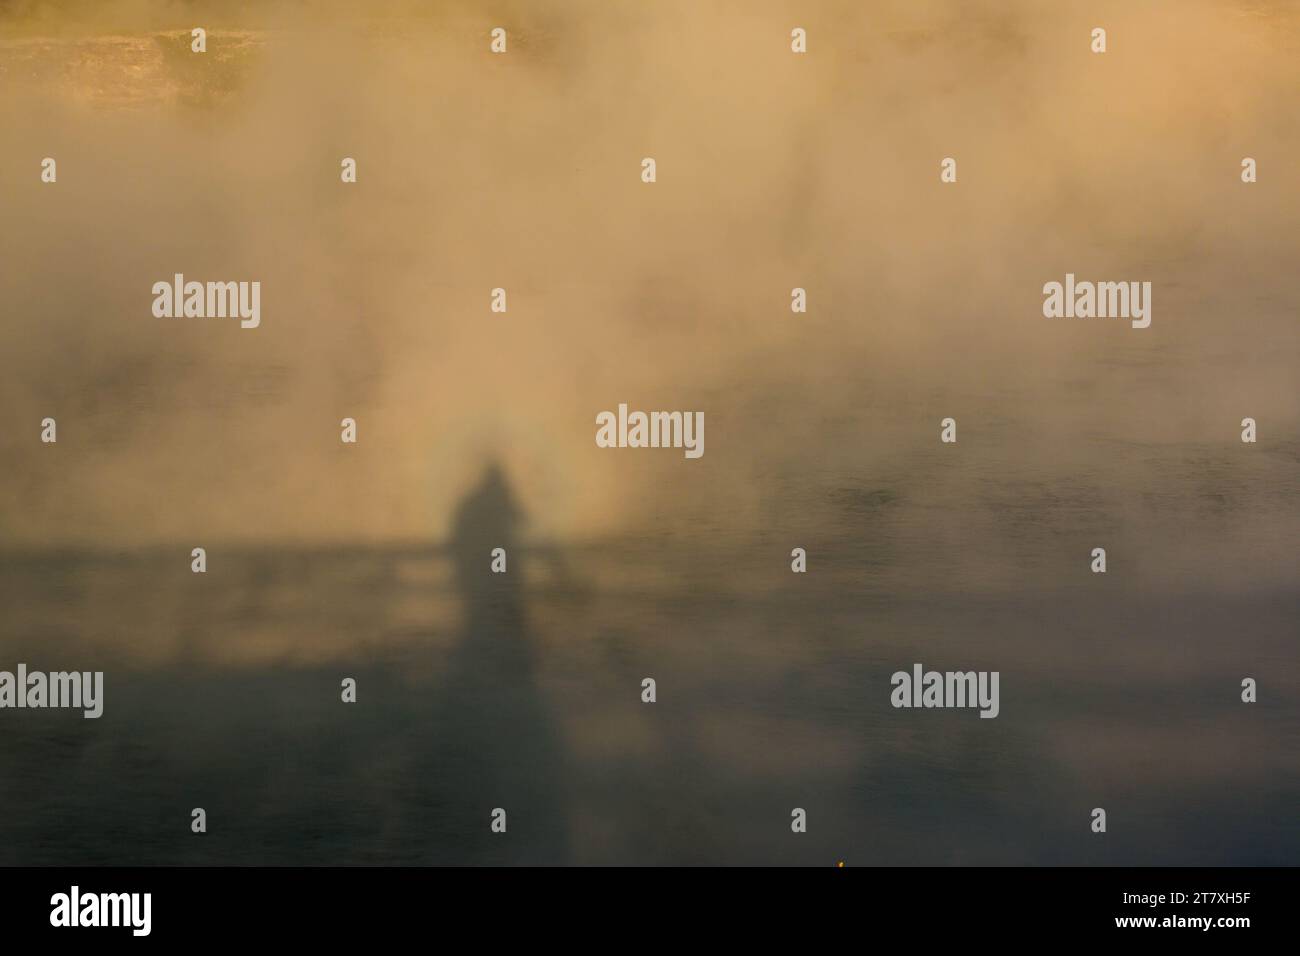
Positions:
{"x": 841, "y": 863}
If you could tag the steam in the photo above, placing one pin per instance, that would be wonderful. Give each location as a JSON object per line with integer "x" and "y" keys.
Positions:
{"x": 522, "y": 171}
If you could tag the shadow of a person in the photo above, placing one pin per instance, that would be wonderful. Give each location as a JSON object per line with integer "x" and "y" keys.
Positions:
{"x": 498, "y": 727}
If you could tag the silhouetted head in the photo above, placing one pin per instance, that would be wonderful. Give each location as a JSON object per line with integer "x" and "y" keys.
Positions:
{"x": 494, "y": 483}
{"x": 488, "y": 516}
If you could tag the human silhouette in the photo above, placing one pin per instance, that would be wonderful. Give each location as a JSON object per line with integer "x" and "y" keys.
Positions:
{"x": 499, "y": 732}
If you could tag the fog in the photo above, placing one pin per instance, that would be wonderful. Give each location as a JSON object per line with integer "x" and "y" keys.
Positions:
{"x": 522, "y": 171}
{"x": 774, "y": 171}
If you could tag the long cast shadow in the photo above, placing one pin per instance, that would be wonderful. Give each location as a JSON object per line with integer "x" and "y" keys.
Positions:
{"x": 495, "y": 731}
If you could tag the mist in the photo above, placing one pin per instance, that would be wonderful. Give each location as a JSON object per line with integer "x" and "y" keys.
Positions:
{"x": 522, "y": 171}
{"x": 774, "y": 171}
